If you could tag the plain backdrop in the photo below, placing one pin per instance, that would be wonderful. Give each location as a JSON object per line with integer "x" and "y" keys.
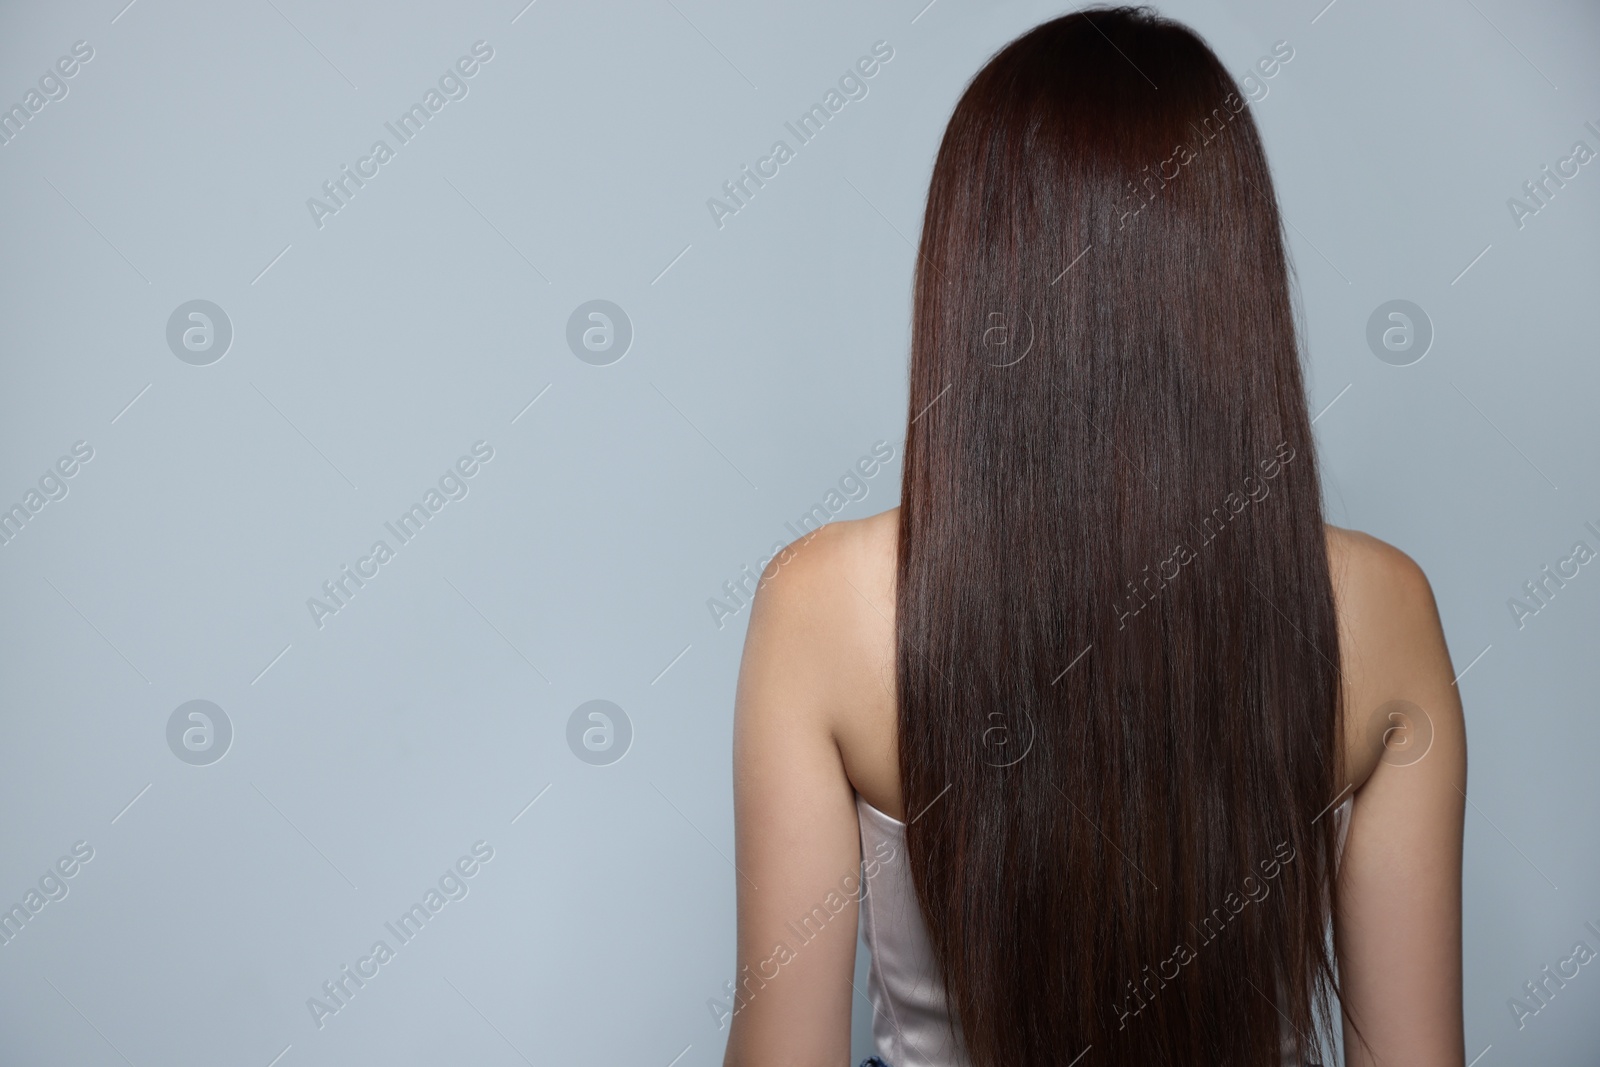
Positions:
{"x": 372, "y": 748}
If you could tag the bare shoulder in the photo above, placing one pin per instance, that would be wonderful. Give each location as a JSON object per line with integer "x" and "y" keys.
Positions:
{"x": 1383, "y": 596}
{"x": 822, "y": 635}
{"x": 1370, "y": 567}
{"x": 827, "y": 578}
{"x": 843, "y": 548}
{"x": 828, "y": 599}
{"x": 1391, "y": 642}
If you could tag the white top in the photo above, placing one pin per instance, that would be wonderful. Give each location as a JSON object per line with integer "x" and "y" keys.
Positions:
{"x": 910, "y": 1027}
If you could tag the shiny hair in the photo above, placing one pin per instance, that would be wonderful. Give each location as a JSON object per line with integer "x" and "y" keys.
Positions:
{"x": 1117, "y": 654}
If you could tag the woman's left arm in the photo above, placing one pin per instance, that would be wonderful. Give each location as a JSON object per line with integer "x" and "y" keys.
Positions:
{"x": 797, "y": 839}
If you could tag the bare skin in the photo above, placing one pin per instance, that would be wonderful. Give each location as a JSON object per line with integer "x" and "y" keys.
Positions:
{"x": 815, "y": 723}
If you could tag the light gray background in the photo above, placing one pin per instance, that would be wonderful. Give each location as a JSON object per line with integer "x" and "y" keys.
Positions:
{"x": 768, "y": 356}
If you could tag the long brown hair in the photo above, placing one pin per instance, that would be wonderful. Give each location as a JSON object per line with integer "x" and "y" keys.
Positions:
{"x": 1117, "y": 656}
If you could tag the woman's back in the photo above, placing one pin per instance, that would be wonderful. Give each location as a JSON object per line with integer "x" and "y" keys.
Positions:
{"x": 817, "y": 735}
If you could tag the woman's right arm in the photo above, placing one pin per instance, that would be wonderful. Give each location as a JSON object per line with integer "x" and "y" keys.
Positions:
{"x": 1398, "y": 931}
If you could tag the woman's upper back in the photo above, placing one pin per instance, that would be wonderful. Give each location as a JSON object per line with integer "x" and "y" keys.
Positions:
{"x": 816, "y": 726}
{"x": 1382, "y": 597}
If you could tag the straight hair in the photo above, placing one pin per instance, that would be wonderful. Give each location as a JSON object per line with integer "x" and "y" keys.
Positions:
{"x": 1117, "y": 654}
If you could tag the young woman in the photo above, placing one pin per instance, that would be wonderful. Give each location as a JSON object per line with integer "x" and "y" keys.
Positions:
{"x": 1102, "y": 727}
